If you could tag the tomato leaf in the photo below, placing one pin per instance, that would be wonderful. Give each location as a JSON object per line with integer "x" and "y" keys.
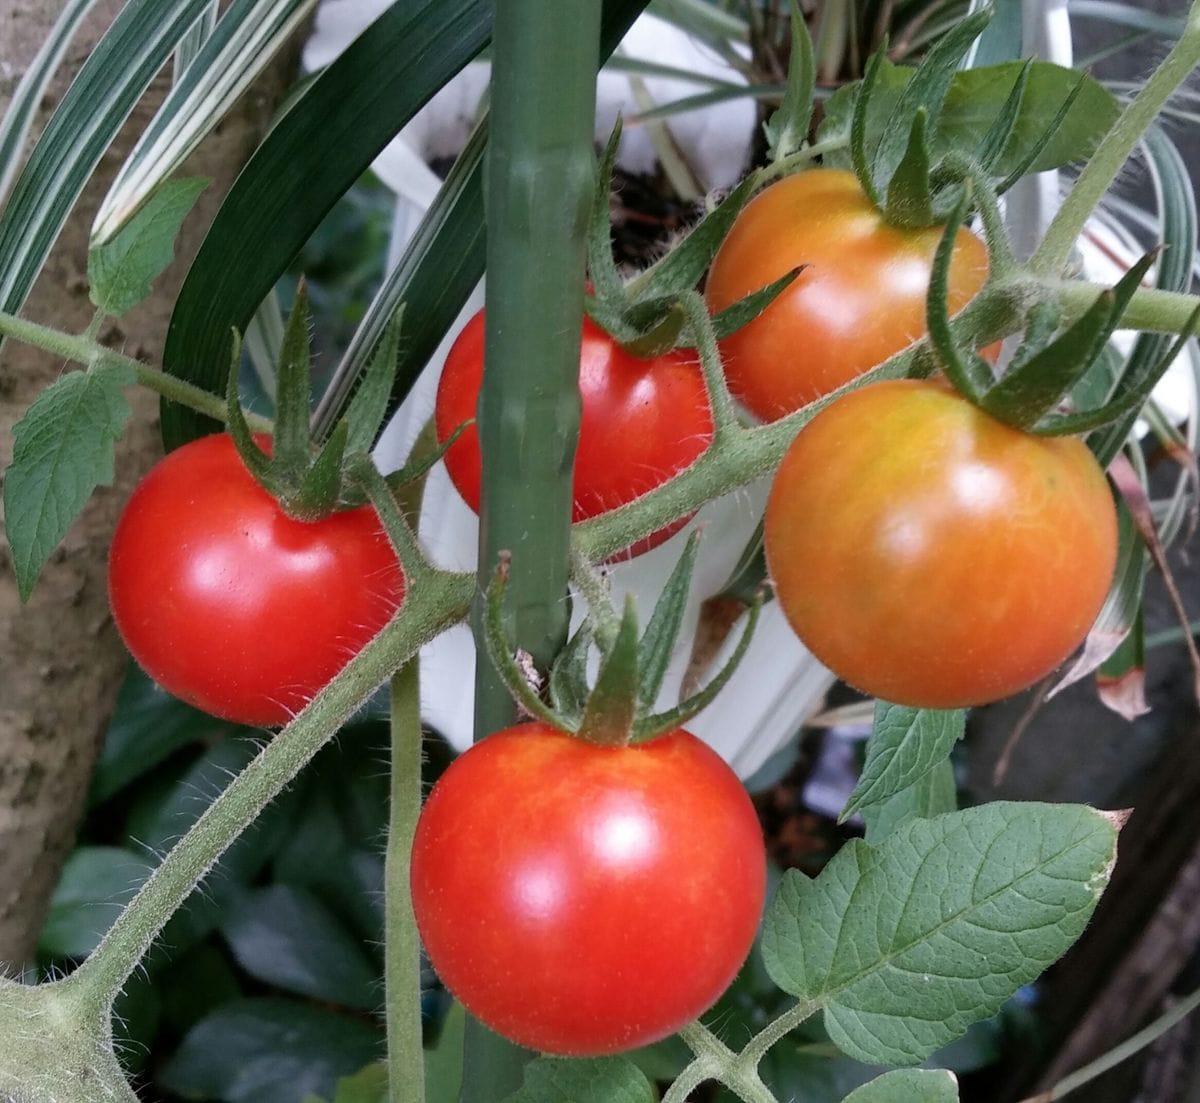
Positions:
{"x": 269, "y": 1051}
{"x": 905, "y": 944}
{"x": 934, "y": 794}
{"x": 285, "y": 937}
{"x": 787, "y": 128}
{"x": 599, "y": 1080}
{"x": 908, "y": 1086}
{"x": 121, "y": 272}
{"x": 905, "y": 745}
{"x": 62, "y": 451}
{"x": 658, "y": 641}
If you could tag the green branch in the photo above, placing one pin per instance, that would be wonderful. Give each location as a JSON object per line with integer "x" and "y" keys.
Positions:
{"x": 83, "y": 350}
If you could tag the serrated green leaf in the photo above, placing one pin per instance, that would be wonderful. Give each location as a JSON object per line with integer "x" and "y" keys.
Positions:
{"x": 62, "y": 451}
{"x": 907, "y": 943}
{"x": 933, "y": 795}
{"x": 905, "y": 745}
{"x": 787, "y": 128}
{"x": 599, "y": 1080}
{"x": 658, "y": 641}
{"x": 122, "y": 271}
{"x": 908, "y": 1086}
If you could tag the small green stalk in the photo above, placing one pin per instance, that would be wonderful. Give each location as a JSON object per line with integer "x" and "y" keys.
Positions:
{"x": 83, "y": 350}
{"x": 1102, "y": 168}
{"x": 402, "y": 962}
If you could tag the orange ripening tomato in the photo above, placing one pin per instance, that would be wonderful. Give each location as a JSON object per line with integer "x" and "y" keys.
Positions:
{"x": 582, "y": 899}
{"x": 933, "y": 556}
{"x": 643, "y": 421}
{"x": 860, "y": 300}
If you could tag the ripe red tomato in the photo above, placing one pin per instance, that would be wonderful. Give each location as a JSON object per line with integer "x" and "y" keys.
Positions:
{"x": 232, "y": 605}
{"x": 860, "y": 300}
{"x": 933, "y": 556}
{"x": 643, "y": 421}
{"x": 583, "y": 900}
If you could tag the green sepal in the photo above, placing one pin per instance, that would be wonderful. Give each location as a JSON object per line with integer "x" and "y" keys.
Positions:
{"x": 1129, "y": 398}
{"x": 292, "y": 397}
{"x": 746, "y": 579}
{"x": 858, "y": 124}
{"x": 420, "y": 465}
{"x": 1041, "y": 324}
{"x": 321, "y": 489}
{"x": 995, "y": 141}
{"x": 649, "y": 727}
{"x": 967, "y": 371}
{"x": 683, "y": 266}
{"x": 500, "y": 651}
{"x": 368, "y": 407}
{"x": 909, "y": 196}
{"x": 1029, "y": 391}
{"x": 745, "y": 310}
{"x": 1047, "y": 136}
{"x": 661, "y": 337}
{"x": 610, "y": 317}
{"x": 658, "y": 641}
{"x": 608, "y": 716}
{"x": 257, "y": 462}
{"x": 787, "y": 128}
{"x": 602, "y": 269}
{"x": 568, "y": 676}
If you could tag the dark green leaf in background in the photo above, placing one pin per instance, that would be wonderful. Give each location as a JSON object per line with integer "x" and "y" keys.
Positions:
{"x": 62, "y": 451}
{"x": 269, "y": 1051}
{"x": 96, "y": 883}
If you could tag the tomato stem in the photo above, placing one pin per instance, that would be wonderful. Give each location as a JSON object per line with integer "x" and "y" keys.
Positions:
{"x": 595, "y": 590}
{"x": 1114, "y": 149}
{"x": 82, "y": 350}
{"x": 402, "y": 957}
{"x": 724, "y": 413}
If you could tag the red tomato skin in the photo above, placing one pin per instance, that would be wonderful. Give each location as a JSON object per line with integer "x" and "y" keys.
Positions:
{"x": 584, "y": 900}
{"x": 642, "y": 422}
{"x": 231, "y": 605}
{"x": 860, "y": 300}
{"x": 933, "y": 556}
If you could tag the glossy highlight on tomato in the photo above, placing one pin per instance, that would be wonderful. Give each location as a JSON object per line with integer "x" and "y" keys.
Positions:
{"x": 860, "y": 300}
{"x": 584, "y": 900}
{"x": 933, "y": 556}
{"x": 643, "y": 421}
{"x": 230, "y": 604}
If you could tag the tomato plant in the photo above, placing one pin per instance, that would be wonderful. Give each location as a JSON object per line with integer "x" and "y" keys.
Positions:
{"x": 931, "y": 555}
{"x": 585, "y": 899}
{"x": 643, "y": 421}
{"x": 860, "y": 299}
{"x": 232, "y": 605}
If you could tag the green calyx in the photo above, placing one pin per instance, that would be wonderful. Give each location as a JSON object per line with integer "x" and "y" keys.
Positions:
{"x": 618, "y": 708}
{"x": 1052, "y": 359}
{"x": 310, "y": 480}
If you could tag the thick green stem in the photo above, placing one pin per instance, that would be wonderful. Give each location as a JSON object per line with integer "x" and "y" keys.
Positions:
{"x": 1112, "y": 153}
{"x": 540, "y": 169}
{"x": 402, "y": 965}
{"x": 1149, "y": 309}
{"x": 84, "y": 350}
{"x": 434, "y": 601}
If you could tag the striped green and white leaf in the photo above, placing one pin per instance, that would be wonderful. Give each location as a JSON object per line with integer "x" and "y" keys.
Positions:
{"x": 244, "y": 40}
{"x": 908, "y": 1086}
{"x": 17, "y": 122}
{"x": 189, "y": 45}
{"x": 134, "y": 48}
{"x": 904, "y": 945}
